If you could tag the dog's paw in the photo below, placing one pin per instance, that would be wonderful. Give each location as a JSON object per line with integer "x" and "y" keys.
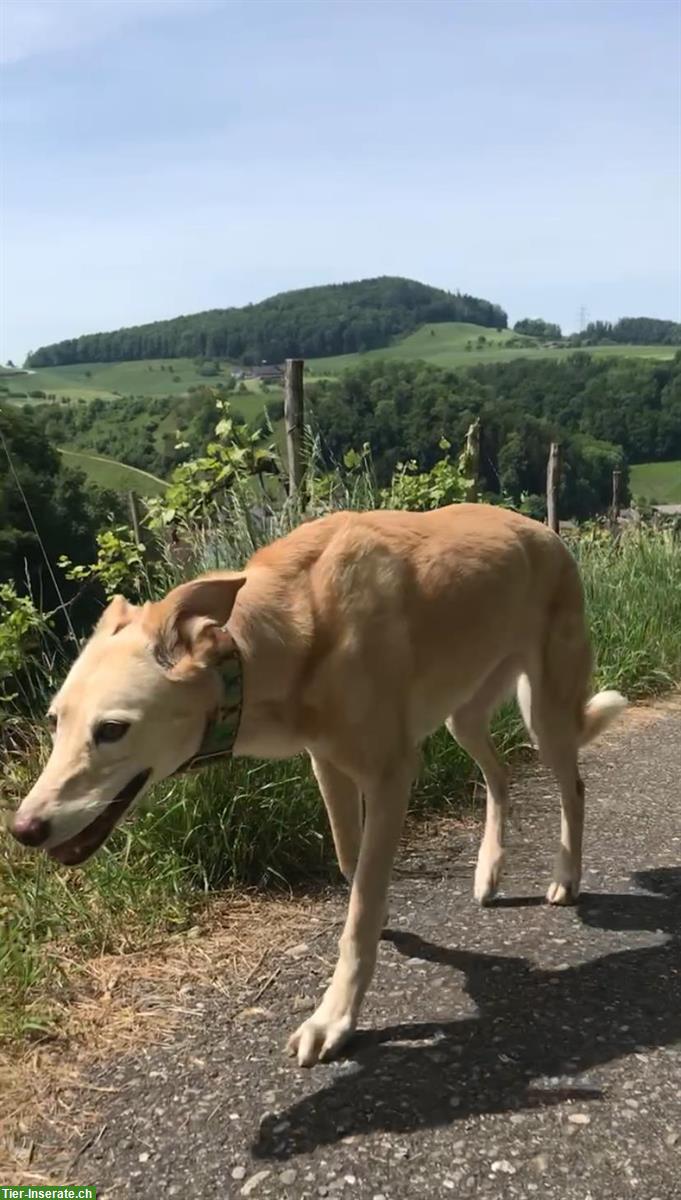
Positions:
{"x": 319, "y": 1038}
{"x": 562, "y": 893}
{"x": 564, "y": 886}
{"x": 487, "y": 877}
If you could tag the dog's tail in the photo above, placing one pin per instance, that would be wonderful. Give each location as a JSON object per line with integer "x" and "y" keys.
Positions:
{"x": 600, "y": 711}
{"x": 592, "y": 718}
{"x": 558, "y": 682}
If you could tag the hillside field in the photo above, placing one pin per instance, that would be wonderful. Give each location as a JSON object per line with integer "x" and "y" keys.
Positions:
{"x": 659, "y": 482}
{"x": 109, "y": 381}
{"x": 444, "y": 345}
{"x": 113, "y": 475}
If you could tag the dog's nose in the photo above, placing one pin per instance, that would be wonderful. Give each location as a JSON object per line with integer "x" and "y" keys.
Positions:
{"x": 31, "y": 831}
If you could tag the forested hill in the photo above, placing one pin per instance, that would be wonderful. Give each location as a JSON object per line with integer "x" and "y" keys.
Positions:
{"x": 632, "y": 331}
{"x": 340, "y": 318}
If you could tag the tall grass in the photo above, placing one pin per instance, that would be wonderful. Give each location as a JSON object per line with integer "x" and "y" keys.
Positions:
{"x": 633, "y": 596}
{"x": 258, "y": 823}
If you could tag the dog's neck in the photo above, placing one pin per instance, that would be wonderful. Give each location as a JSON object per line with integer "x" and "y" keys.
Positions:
{"x": 272, "y": 627}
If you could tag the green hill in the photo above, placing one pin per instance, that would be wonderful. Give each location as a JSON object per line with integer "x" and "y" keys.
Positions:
{"x": 334, "y": 319}
{"x": 459, "y": 344}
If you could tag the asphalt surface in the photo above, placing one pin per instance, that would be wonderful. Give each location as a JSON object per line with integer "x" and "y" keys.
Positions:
{"x": 514, "y": 1051}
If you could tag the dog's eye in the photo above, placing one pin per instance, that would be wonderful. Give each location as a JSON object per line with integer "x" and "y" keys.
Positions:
{"x": 51, "y": 720}
{"x": 111, "y": 731}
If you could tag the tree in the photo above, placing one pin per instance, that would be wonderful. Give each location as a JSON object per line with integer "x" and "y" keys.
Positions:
{"x": 632, "y": 331}
{"x": 65, "y": 513}
{"x": 605, "y": 412}
{"x": 537, "y": 328}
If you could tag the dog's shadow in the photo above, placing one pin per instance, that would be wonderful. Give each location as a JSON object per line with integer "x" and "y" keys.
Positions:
{"x": 531, "y": 1025}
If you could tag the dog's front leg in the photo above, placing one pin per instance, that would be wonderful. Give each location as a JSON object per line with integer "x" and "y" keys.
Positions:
{"x": 331, "y": 1025}
{"x": 343, "y": 803}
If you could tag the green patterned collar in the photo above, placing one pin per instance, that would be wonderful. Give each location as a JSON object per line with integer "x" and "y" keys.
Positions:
{"x": 222, "y": 728}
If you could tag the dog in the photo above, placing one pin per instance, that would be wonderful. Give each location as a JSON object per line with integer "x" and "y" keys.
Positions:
{"x": 355, "y": 636}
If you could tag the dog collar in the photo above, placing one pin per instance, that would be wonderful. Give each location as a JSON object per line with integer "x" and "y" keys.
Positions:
{"x": 222, "y": 729}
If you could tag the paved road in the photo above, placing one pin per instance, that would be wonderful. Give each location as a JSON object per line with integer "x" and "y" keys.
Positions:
{"x": 515, "y": 1051}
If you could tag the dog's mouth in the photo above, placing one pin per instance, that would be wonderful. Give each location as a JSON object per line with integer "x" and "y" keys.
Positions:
{"x": 81, "y": 846}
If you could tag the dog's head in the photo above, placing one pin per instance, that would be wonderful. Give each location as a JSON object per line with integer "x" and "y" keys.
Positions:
{"x": 133, "y": 708}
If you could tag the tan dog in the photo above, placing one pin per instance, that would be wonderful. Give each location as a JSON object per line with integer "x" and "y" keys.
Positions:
{"x": 359, "y": 634}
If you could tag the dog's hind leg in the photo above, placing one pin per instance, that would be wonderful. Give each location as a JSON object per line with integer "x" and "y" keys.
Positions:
{"x": 553, "y": 699}
{"x": 471, "y": 731}
{"x": 469, "y": 724}
{"x": 567, "y": 870}
{"x": 552, "y": 705}
{"x": 344, "y": 808}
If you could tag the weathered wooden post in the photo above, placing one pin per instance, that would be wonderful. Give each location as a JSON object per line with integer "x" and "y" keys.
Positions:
{"x": 134, "y": 515}
{"x": 294, "y": 420}
{"x": 469, "y": 460}
{"x": 553, "y": 487}
{"x": 616, "y": 494}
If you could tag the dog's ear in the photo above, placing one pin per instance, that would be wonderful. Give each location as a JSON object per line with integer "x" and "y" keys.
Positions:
{"x": 116, "y": 616}
{"x": 210, "y": 596}
{"x": 187, "y": 625}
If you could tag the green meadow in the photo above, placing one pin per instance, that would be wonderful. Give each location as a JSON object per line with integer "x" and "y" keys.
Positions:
{"x": 113, "y": 475}
{"x": 452, "y": 344}
{"x": 658, "y": 482}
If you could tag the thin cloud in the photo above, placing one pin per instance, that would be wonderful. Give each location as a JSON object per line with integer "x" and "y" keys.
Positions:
{"x": 32, "y": 28}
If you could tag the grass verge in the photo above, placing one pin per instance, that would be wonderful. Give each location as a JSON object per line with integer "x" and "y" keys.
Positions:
{"x": 115, "y": 1004}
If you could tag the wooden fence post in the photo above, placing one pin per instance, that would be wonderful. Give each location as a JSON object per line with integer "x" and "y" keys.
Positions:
{"x": 134, "y": 515}
{"x": 616, "y": 494}
{"x": 294, "y": 420}
{"x": 469, "y": 460}
{"x": 553, "y": 487}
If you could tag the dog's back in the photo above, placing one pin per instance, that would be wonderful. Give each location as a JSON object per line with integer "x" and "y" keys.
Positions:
{"x": 423, "y": 607}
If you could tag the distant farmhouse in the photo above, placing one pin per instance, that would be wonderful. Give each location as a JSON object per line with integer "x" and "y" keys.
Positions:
{"x": 267, "y": 372}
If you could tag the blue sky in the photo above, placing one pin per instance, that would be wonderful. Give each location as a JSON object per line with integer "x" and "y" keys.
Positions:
{"x": 165, "y": 156}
